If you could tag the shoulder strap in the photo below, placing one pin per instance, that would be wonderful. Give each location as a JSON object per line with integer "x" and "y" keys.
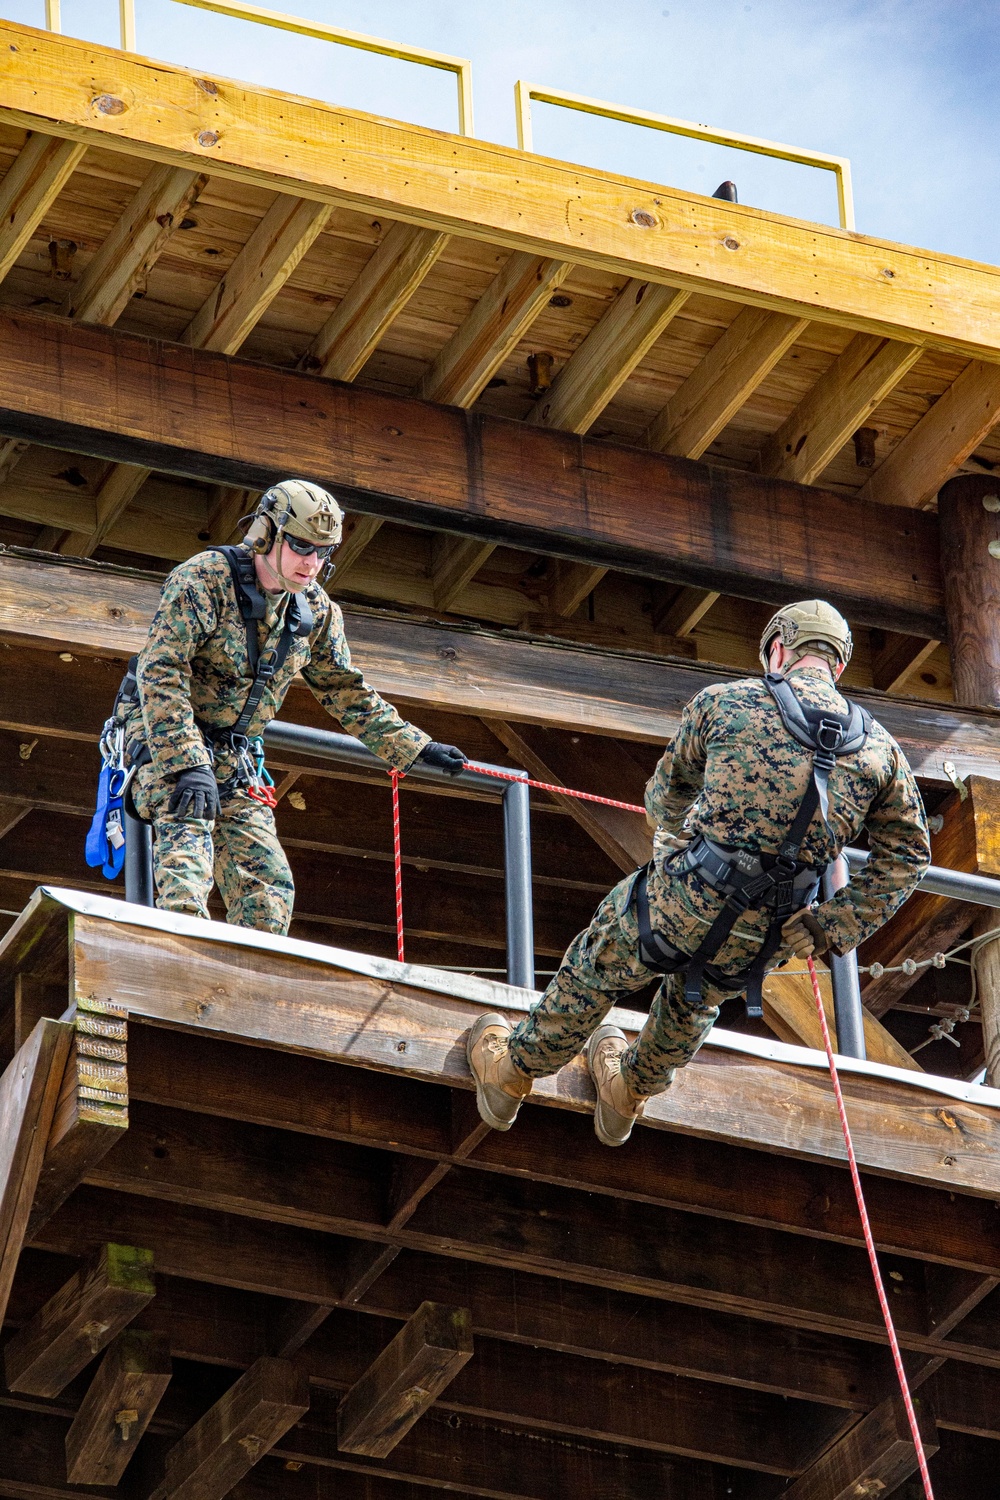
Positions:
{"x": 828, "y": 735}
{"x": 253, "y": 606}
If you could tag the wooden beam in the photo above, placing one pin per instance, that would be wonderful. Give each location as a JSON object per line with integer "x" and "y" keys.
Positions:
{"x": 238, "y": 1430}
{"x": 371, "y": 305}
{"x": 257, "y": 275}
{"x": 895, "y": 662}
{"x": 118, "y": 1407}
{"x": 457, "y": 560}
{"x": 408, "y": 1376}
{"x": 597, "y": 370}
{"x": 190, "y": 411}
{"x": 115, "y": 494}
{"x": 790, "y": 1012}
{"x": 970, "y": 534}
{"x": 103, "y": 612}
{"x": 469, "y": 187}
{"x": 839, "y": 403}
{"x": 92, "y": 1109}
{"x": 683, "y": 611}
{"x": 28, "y": 1092}
{"x": 871, "y": 1459}
{"x": 722, "y": 382}
{"x": 942, "y": 440}
{"x": 229, "y": 505}
{"x": 32, "y": 183}
{"x": 572, "y": 584}
{"x": 79, "y": 1321}
{"x": 987, "y": 970}
{"x": 359, "y": 531}
{"x": 492, "y": 331}
{"x": 120, "y": 266}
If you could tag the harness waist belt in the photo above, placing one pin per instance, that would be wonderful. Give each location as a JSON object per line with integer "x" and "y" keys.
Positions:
{"x": 727, "y": 870}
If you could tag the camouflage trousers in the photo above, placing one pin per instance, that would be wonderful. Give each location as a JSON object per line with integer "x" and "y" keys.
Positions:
{"x": 602, "y": 968}
{"x": 239, "y": 851}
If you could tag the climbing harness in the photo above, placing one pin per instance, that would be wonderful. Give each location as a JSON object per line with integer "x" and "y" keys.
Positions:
{"x": 747, "y": 879}
{"x": 106, "y": 836}
{"x": 866, "y": 1228}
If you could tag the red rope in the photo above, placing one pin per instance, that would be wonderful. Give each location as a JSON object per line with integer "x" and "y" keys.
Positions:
{"x": 398, "y": 860}
{"x": 548, "y": 786}
{"x": 869, "y": 1238}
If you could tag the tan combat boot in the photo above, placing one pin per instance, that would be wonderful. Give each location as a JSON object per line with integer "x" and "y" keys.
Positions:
{"x": 617, "y": 1108}
{"x": 500, "y": 1087}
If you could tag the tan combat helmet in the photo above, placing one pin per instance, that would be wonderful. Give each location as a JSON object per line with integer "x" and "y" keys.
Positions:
{"x": 299, "y": 509}
{"x": 796, "y": 625}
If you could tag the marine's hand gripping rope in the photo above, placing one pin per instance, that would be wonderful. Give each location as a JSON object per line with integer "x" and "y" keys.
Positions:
{"x": 852, "y": 1161}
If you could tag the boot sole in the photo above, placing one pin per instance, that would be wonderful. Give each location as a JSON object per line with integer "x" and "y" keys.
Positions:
{"x": 484, "y": 1092}
{"x": 604, "y": 1135}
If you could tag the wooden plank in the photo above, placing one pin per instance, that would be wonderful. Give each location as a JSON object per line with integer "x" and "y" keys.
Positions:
{"x": 790, "y": 1012}
{"x": 81, "y": 1319}
{"x": 838, "y": 404}
{"x": 115, "y": 494}
{"x": 573, "y": 584}
{"x": 238, "y": 1430}
{"x": 359, "y": 531}
{"x": 28, "y": 1092}
{"x": 942, "y": 440}
{"x": 873, "y": 1458}
{"x": 896, "y": 661}
{"x": 724, "y": 379}
{"x": 187, "y": 410}
{"x": 597, "y": 370}
{"x": 31, "y": 185}
{"x": 371, "y": 305}
{"x": 120, "y": 266}
{"x": 500, "y": 319}
{"x": 684, "y": 612}
{"x": 257, "y": 275}
{"x": 406, "y": 1378}
{"x": 465, "y": 186}
{"x": 104, "y": 611}
{"x": 118, "y": 1407}
{"x": 346, "y": 1016}
{"x": 92, "y": 1108}
{"x": 456, "y": 562}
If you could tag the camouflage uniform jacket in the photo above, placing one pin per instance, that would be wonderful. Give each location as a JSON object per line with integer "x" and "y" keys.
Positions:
{"x": 195, "y": 664}
{"x": 735, "y": 774}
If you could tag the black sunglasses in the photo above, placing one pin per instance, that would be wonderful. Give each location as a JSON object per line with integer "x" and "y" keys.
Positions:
{"x": 306, "y": 549}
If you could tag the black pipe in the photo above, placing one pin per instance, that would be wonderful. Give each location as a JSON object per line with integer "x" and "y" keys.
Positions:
{"x": 849, "y": 1012}
{"x": 517, "y": 879}
{"x": 138, "y": 860}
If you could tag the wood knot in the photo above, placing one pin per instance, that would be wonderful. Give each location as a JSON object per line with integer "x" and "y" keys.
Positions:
{"x": 643, "y": 218}
{"x": 108, "y": 104}
{"x": 208, "y": 138}
{"x": 207, "y": 86}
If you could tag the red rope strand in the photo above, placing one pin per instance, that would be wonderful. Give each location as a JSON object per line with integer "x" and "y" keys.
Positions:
{"x": 548, "y": 786}
{"x": 398, "y": 861}
{"x": 870, "y": 1239}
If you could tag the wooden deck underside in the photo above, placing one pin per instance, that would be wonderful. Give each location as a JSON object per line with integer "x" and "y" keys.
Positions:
{"x": 690, "y": 1316}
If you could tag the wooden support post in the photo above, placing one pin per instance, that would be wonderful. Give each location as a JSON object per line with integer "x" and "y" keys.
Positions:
{"x": 871, "y": 1459}
{"x": 28, "y": 1092}
{"x": 408, "y": 1376}
{"x": 238, "y": 1430}
{"x": 92, "y": 1110}
{"x": 969, "y": 511}
{"x": 987, "y": 962}
{"x": 80, "y": 1320}
{"x": 117, "y": 1408}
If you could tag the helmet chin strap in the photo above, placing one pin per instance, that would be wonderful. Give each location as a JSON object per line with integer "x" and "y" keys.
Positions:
{"x": 286, "y": 584}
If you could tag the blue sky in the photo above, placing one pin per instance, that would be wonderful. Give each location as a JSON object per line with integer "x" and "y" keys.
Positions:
{"x": 905, "y": 88}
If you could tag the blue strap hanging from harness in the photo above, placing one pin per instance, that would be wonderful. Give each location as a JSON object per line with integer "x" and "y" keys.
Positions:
{"x": 106, "y": 838}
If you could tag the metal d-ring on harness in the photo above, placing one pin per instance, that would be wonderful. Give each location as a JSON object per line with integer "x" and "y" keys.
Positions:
{"x": 250, "y": 773}
{"x": 748, "y": 879}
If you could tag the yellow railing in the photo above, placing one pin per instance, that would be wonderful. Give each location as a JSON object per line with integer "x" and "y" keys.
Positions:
{"x": 839, "y": 165}
{"x": 460, "y": 66}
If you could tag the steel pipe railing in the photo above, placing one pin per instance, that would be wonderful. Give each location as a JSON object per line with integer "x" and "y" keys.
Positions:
{"x": 848, "y": 1011}
{"x": 980, "y": 890}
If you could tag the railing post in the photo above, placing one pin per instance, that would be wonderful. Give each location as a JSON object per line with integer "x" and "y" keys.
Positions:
{"x": 847, "y": 1006}
{"x": 517, "y": 871}
{"x": 138, "y": 860}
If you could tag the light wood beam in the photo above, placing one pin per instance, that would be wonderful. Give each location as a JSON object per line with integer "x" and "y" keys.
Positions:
{"x": 235, "y": 1433}
{"x": 987, "y": 964}
{"x": 354, "y": 331}
{"x": 120, "y": 267}
{"x": 493, "y": 330}
{"x": 611, "y": 351}
{"x": 359, "y": 531}
{"x": 573, "y": 583}
{"x": 897, "y": 660}
{"x": 871, "y": 1459}
{"x": 722, "y": 382}
{"x": 456, "y": 562}
{"x": 683, "y": 613}
{"x": 81, "y": 1319}
{"x": 260, "y": 270}
{"x": 407, "y": 1378}
{"x": 118, "y": 1407}
{"x": 28, "y": 1091}
{"x": 941, "y": 441}
{"x": 790, "y": 1012}
{"x": 839, "y": 403}
{"x": 33, "y": 182}
{"x": 115, "y": 494}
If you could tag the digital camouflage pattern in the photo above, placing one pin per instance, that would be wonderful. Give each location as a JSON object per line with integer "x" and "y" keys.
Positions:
{"x": 195, "y": 664}
{"x": 735, "y": 774}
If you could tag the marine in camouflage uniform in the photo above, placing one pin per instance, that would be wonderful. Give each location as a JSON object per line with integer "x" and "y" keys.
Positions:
{"x": 734, "y": 774}
{"x": 195, "y": 668}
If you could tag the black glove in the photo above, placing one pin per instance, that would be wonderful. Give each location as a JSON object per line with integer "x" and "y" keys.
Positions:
{"x": 447, "y": 757}
{"x": 196, "y": 794}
